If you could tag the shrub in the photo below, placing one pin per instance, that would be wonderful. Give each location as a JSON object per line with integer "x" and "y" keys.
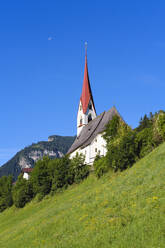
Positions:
{"x": 150, "y": 133}
{"x": 145, "y": 142}
{"x": 122, "y": 153}
{"x": 145, "y": 122}
{"x": 39, "y": 197}
{"x": 22, "y": 192}
{"x": 121, "y": 147}
{"x": 40, "y": 177}
{"x": 58, "y": 172}
{"x": 78, "y": 169}
{"x": 5, "y": 192}
{"x": 100, "y": 166}
{"x": 159, "y": 127}
{"x": 112, "y": 129}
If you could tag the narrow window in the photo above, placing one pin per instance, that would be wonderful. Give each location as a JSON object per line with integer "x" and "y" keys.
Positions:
{"x": 90, "y": 106}
{"x": 80, "y": 121}
{"x": 95, "y": 149}
{"x": 89, "y": 118}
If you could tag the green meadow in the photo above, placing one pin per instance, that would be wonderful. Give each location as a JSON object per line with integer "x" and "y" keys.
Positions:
{"x": 119, "y": 210}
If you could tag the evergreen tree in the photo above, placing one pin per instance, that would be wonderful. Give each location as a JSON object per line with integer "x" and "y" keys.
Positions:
{"x": 59, "y": 172}
{"x": 145, "y": 122}
{"x": 78, "y": 170}
{"x": 5, "y": 192}
{"x": 40, "y": 177}
{"x": 22, "y": 192}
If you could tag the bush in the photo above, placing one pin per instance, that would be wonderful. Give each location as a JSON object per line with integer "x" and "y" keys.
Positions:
{"x": 5, "y": 192}
{"x": 22, "y": 192}
{"x": 125, "y": 146}
{"x": 101, "y": 166}
{"x": 145, "y": 142}
{"x": 40, "y": 177}
{"x": 121, "y": 146}
{"x": 122, "y": 154}
{"x": 58, "y": 172}
{"x": 39, "y": 197}
{"x": 159, "y": 127}
{"x": 112, "y": 129}
{"x": 150, "y": 133}
{"x": 145, "y": 122}
{"x": 78, "y": 169}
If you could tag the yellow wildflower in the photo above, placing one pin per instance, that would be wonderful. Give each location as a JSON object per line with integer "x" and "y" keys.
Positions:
{"x": 155, "y": 198}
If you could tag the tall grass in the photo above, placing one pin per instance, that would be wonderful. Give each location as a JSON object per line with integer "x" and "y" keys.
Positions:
{"x": 119, "y": 210}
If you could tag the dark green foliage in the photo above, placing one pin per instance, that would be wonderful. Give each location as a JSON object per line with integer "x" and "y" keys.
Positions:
{"x": 160, "y": 125}
{"x": 101, "y": 166}
{"x": 151, "y": 133}
{"x": 145, "y": 142}
{"x": 125, "y": 145}
{"x": 122, "y": 155}
{"x": 112, "y": 128}
{"x": 40, "y": 177}
{"x": 145, "y": 122}
{"x": 39, "y": 197}
{"x": 121, "y": 147}
{"x": 58, "y": 143}
{"x": 49, "y": 176}
{"x": 78, "y": 170}
{"x": 58, "y": 172}
{"x": 97, "y": 158}
{"x": 5, "y": 192}
{"x": 22, "y": 192}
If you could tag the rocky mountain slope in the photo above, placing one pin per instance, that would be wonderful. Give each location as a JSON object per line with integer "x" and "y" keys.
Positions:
{"x": 56, "y": 146}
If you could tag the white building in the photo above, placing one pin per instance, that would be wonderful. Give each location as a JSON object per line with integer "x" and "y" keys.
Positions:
{"x": 90, "y": 127}
{"x": 26, "y": 173}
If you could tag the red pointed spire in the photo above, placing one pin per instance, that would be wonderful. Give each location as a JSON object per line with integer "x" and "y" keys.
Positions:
{"x": 86, "y": 95}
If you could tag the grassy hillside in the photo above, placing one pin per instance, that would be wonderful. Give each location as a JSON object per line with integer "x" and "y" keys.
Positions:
{"x": 119, "y": 210}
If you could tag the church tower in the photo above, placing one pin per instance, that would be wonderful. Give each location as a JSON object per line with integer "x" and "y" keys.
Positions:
{"x": 86, "y": 110}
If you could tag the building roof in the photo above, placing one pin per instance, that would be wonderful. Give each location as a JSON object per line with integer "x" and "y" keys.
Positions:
{"x": 27, "y": 170}
{"x": 93, "y": 128}
{"x": 86, "y": 95}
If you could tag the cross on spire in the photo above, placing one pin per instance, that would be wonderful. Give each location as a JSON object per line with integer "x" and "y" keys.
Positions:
{"x": 86, "y": 45}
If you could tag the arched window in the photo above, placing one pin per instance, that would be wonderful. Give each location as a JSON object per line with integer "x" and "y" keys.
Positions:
{"x": 90, "y": 106}
{"x": 89, "y": 118}
{"x": 80, "y": 120}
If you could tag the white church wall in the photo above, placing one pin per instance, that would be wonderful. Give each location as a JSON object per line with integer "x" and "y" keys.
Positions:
{"x": 97, "y": 146}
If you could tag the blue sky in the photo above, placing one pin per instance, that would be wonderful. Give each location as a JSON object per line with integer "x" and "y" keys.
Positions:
{"x": 42, "y": 64}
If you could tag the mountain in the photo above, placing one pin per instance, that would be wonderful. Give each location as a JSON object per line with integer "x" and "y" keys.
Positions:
{"x": 56, "y": 146}
{"x": 123, "y": 209}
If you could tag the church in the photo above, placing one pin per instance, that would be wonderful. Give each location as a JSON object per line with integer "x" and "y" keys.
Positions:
{"x": 90, "y": 127}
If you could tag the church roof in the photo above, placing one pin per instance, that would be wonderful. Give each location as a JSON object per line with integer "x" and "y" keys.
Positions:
{"x": 93, "y": 128}
{"x": 86, "y": 95}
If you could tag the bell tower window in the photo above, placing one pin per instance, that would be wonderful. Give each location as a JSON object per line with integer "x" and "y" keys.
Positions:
{"x": 89, "y": 118}
{"x": 90, "y": 106}
{"x": 80, "y": 121}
